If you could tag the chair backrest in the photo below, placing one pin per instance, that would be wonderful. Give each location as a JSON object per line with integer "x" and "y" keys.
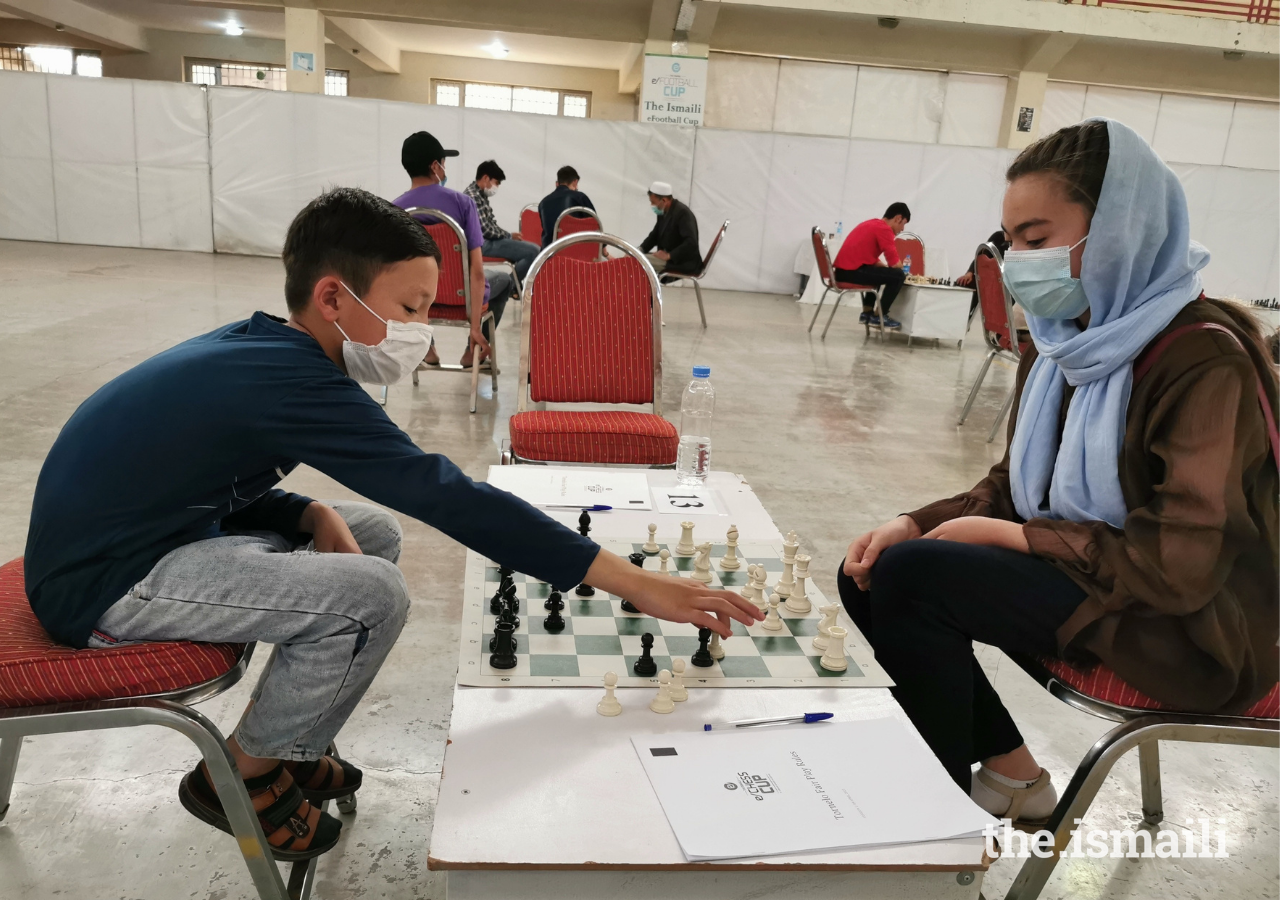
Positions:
{"x": 823, "y": 257}
{"x": 574, "y": 220}
{"x": 531, "y": 224}
{"x": 711, "y": 251}
{"x": 909, "y": 244}
{"x": 593, "y": 330}
{"x": 993, "y": 300}
{"x": 454, "y": 286}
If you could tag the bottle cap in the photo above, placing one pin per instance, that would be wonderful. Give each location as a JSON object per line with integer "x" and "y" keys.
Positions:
{"x": 701, "y": 371}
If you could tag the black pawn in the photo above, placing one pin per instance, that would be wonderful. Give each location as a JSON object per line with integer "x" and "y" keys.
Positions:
{"x": 504, "y": 647}
{"x": 702, "y": 656}
{"x": 585, "y": 590}
{"x": 584, "y": 523}
{"x": 645, "y": 667}
{"x": 554, "y": 601}
{"x": 554, "y": 622}
{"x": 637, "y": 560}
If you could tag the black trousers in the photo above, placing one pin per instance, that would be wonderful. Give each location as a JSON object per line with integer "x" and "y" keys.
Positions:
{"x": 890, "y": 276}
{"x": 929, "y": 601}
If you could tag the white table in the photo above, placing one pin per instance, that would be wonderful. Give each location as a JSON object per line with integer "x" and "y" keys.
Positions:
{"x": 541, "y": 797}
{"x": 933, "y": 311}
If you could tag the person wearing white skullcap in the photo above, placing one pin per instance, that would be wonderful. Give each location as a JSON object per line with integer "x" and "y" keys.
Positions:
{"x": 672, "y": 246}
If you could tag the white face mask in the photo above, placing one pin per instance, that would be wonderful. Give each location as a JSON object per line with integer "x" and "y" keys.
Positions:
{"x": 394, "y": 357}
{"x": 490, "y": 191}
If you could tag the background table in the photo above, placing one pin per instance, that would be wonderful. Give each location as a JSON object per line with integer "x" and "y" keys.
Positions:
{"x": 933, "y": 311}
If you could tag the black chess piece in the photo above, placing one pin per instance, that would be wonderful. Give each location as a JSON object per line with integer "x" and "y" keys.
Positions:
{"x": 511, "y": 598}
{"x": 637, "y": 560}
{"x": 504, "y": 647}
{"x": 493, "y": 642}
{"x": 508, "y": 615}
{"x": 554, "y": 601}
{"x": 585, "y": 590}
{"x": 584, "y": 523}
{"x": 554, "y": 622}
{"x": 495, "y": 602}
{"x": 645, "y": 666}
{"x": 702, "y": 656}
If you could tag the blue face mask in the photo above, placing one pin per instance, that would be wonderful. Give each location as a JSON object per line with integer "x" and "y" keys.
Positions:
{"x": 657, "y": 210}
{"x": 1041, "y": 281}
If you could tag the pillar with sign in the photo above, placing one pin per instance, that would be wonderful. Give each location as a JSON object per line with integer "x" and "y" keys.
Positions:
{"x": 673, "y": 88}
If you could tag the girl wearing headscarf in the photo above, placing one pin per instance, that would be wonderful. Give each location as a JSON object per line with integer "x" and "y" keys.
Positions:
{"x": 1133, "y": 519}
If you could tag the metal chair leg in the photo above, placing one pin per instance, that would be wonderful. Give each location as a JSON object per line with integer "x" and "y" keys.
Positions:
{"x": 383, "y": 399}
{"x": 415, "y": 377}
{"x": 821, "y": 300}
{"x": 977, "y": 383}
{"x": 10, "y": 747}
{"x": 880, "y": 312}
{"x": 697, "y": 290}
{"x": 839, "y": 297}
{"x": 1004, "y": 411}
{"x": 1149, "y": 768}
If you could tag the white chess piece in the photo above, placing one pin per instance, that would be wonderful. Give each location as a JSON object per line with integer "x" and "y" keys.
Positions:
{"x": 772, "y": 622}
{"x": 760, "y": 588}
{"x": 790, "y": 546}
{"x": 730, "y": 562}
{"x": 679, "y": 692}
{"x": 685, "y": 547}
{"x": 702, "y": 568}
{"x": 651, "y": 545}
{"x": 829, "y": 613}
{"x": 833, "y": 657}
{"x": 609, "y": 705}
{"x": 749, "y": 591}
{"x": 665, "y": 557}
{"x": 663, "y": 703}
{"x": 799, "y": 602}
{"x": 716, "y": 651}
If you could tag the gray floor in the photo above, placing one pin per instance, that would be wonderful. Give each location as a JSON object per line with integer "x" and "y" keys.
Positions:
{"x": 835, "y": 436}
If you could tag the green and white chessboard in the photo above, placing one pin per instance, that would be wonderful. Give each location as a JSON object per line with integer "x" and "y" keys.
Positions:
{"x": 599, "y": 637}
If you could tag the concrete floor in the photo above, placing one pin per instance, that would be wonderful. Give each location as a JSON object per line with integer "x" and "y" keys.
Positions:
{"x": 835, "y": 437}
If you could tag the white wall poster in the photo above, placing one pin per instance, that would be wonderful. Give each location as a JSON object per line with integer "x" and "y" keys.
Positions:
{"x": 673, "y": 90}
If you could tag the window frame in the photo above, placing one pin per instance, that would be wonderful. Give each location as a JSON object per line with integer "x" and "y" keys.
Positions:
{"x": 461, "y": 85}
{"x": 28, "y": 66}
{"x": 189, "y": 62}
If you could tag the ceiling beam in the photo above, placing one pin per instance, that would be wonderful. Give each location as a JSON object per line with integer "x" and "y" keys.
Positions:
{"x": 1044, "y": 51}
{"x": 80, "y": 19}
{"x": 366, "y": 42}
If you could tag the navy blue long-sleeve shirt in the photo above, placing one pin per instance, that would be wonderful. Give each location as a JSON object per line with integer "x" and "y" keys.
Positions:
{"x": 190, "y": 444}
{"x": 555, "y": 203}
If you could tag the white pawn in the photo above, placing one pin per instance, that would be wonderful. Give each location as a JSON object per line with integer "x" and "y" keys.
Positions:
{"x": 679, "y": 692}
{"x": 730, "y": 562}
{"x": 609, "y": 705}
{"x": 651, "y": 545}
{"x": 665, "y": 557}
{"x": 663, "y": 703}
{"x": 685, "y": 547}
{"x": 833, "y": 657}
{"x": 772, "y": 622}
{"x": 829, "y": 613}
{"x": 716, "y": 651}
{"x": 702, "y": 567}
{"x": 799, "y": 602}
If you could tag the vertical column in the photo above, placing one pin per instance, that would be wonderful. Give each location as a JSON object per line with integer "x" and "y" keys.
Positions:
{"x": 1023, "y": 107}
{"x": 304, "y": 50}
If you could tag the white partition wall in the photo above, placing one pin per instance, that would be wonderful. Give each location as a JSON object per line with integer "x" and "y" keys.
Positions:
{"x": 26, "y": 160}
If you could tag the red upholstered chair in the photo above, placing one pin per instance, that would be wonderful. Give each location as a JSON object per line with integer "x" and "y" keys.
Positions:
{"x": 997, "y": 326}
{"x": 1143, "y": 723}
{"x": 452, "y": 305}
{"x": 47, "y": 688}
{"x": 908, "y": 244}
{"x": 531, "y": 224}
{"x": 827, "y": 273}
{"x": 592, "y": 334}
{"x": 577, "y": 219}
{"x": 697, "y": 277}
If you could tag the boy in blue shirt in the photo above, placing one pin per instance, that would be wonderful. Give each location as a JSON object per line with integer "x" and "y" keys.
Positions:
{"x": 156, "y": 515}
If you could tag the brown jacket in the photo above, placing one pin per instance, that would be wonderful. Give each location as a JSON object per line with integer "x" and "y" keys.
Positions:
{"x": 1184, "y": 602}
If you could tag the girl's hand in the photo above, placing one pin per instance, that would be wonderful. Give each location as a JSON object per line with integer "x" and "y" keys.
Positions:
{"x": 982, "y": 530}
{"x": 864, "y": 551}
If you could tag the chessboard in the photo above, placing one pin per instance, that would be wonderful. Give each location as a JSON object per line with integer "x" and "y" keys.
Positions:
{"x": 600, "y": 637}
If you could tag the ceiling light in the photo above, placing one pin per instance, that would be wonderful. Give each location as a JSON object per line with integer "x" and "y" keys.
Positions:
{"x": 233, "y": 29}
{"x": 496, "y": 49}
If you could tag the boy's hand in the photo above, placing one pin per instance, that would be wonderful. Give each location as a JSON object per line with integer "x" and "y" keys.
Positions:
{"x": 328, "y": 529}
{"x": 672, "y": 599}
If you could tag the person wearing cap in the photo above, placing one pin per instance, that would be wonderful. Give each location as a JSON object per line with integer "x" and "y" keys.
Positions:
{"x": 565, "y": 195}
{"x": 423, "y": 156}
{"x": 674, "y": 235}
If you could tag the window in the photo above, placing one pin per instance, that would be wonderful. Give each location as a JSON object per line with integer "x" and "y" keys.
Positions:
{"x": 259, "y": 75}
{"x": 53, "y": 60}
{"x": 513, "y": 98}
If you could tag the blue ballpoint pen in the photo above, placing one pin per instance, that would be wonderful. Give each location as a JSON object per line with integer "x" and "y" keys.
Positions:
{"x": 784, "y": 720}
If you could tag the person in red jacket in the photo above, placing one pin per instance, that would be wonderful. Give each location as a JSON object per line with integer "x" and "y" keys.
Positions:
{"x": 858, "y": 261}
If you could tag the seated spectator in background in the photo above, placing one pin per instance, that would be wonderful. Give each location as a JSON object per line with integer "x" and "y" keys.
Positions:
{"x": 1002, "y": 244}
{"x": 674, "y": 235}
{"x": 423, "y": 158}
{"x": 858, "y": 261}
{"x": 564, "y": 196}
{"x": 497, "y": 240}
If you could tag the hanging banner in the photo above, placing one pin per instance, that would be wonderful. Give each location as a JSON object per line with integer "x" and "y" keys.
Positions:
{"x": 673, "y": 90}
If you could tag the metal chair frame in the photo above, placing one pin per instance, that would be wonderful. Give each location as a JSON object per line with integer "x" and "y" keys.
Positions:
{"x": 577, "y": 212}
{"x": 172, "y": 709}
{"x": 487, "y": 316}
{"x": 994, "y": 349}
{"x": 912, "y": 236}
{"x": 1141, "y": 728}
{"x": 828, "y": 275}
{"x": 701, "y": 273}
{"x": 523, "y": 402}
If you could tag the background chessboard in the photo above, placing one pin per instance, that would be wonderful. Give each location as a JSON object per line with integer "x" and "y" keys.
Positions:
{"x": 599, "y": 637}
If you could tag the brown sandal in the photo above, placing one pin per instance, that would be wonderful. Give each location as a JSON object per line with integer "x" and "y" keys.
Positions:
{"x": 318, "y": 786}
{"x": 1018, "y": 798}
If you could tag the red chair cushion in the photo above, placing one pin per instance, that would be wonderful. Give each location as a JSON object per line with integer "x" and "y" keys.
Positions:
{"x": 36, "y": 671}
{"x": 630, "y": 438}
{"x": 1101, "y": 683}
{"x": 845, "y": 286}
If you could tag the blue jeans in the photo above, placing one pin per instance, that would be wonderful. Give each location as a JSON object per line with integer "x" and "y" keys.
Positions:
{"x": 332, "y": 616}
{"x": 517, "y": 251}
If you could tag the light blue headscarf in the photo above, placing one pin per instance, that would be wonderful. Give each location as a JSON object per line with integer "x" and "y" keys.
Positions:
{"x": 1140, "y": 268}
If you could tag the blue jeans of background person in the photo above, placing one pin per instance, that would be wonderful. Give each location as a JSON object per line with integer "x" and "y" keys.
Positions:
{"x": 929, "y": 601}
{"x": 517, "y": 251}
{"x": 332, "y": 616}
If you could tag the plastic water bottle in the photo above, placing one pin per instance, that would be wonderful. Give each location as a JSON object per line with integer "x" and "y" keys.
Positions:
{"x": 840, "y": 228}
{"x": 693, "y": 461}
{"x": 906, "y": 266}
